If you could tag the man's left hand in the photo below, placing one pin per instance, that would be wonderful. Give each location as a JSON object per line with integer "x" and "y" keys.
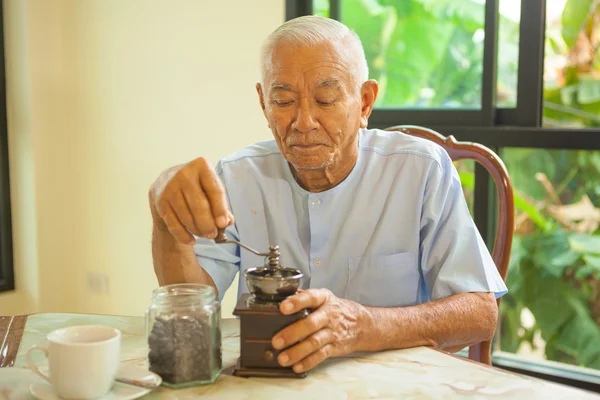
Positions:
{"x": 332, "y": 329}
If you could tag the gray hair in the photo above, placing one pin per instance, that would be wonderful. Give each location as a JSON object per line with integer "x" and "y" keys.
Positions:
{"x": 312, "y": 30}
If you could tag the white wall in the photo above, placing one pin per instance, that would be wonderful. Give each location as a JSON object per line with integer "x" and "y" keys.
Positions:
{"x": 103, "y": 95}
{"x": 20, "y": 120}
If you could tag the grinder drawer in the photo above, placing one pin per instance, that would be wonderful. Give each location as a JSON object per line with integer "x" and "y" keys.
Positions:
{"x": 258, "y": 353}
{"x": 265, "y": 326}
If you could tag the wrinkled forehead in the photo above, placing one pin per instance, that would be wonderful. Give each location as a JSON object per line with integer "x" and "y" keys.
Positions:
{"x": 320, "y": 65}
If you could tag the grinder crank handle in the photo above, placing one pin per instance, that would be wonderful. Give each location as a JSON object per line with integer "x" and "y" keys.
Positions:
{"x": 221, "y": 238}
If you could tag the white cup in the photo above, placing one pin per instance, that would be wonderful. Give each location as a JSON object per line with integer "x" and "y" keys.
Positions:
{"x": 83, "y": 361}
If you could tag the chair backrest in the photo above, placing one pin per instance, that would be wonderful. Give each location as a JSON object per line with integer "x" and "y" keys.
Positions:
{"x": 506, "y": 209}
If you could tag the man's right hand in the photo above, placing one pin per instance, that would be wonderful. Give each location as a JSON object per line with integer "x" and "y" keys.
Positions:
{"x": 188, "y": 200}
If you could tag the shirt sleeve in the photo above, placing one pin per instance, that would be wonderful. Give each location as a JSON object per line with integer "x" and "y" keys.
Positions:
{"x": 454, "y": 257}
{"x": 220, "y": 261}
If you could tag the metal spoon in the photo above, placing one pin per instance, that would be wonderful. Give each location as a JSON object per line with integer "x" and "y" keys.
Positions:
{"x": 146, "y": 385}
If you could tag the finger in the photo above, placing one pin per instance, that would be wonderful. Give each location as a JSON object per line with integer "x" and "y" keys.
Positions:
{"x": 314, "y": 359}
{"x": 182, "y": 211}
{"x": 300, "y": 330}
{"x": 305, "y": 348}
{"x": 231, "y": 218}
{"x": 212, "y": 187}
{"x": 176, "y": 228}
{"x": 200, "y": 211}
{"x": 311, "y": 298}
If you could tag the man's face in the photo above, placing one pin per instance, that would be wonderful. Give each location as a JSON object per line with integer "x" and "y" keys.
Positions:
{"x": 313, "y": 104}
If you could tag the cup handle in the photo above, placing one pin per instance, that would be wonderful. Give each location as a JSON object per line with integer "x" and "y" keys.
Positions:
{"x": 34, "y": 367}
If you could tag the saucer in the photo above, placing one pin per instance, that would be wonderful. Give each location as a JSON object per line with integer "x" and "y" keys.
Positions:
{"x": 119, "y": 391}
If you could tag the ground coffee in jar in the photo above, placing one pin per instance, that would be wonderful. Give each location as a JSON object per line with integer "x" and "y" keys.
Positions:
{"x": 184, "y": 335}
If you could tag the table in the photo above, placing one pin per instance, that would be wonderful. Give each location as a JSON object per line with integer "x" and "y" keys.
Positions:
{"x": 417, "y": 373}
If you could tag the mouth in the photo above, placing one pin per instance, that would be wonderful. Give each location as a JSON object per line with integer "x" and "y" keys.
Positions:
{"x": 308, "y": 146}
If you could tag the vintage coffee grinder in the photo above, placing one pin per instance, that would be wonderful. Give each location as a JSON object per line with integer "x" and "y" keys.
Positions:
{"x": 260, "y": 318}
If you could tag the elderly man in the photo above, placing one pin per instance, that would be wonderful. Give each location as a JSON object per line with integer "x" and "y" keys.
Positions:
{"x": 375, "y": 220}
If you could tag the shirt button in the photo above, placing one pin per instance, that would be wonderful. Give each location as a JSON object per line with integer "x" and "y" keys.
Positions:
{"x": 317, "y": 262}
{"x": 316, "y": 202}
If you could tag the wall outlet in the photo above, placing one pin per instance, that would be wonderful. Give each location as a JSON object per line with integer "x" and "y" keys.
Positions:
{"x": 98, "y": 283}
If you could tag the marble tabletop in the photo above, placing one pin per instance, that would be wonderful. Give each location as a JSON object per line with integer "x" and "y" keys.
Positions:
{"x": 417, "y": 373}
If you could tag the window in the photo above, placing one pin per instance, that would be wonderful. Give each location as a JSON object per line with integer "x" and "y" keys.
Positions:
{"x": 523, "y": 78}
{"x": 426, "y": 55}
{"x": 6, "y": 254}
{"x": 553, "y": 311}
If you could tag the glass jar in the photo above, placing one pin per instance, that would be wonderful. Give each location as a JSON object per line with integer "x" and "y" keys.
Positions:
{"x": 183, "y": 332}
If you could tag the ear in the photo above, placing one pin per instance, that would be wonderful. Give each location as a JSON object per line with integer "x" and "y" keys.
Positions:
{"x": 261, "y": 99}
{"x": 368, "y": 95}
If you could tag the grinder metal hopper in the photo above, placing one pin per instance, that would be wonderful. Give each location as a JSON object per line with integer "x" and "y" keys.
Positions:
{"x": 272, "y": 282}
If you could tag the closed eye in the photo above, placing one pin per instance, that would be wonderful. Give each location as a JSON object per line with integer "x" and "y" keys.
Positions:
{"x": 283, "y": 102}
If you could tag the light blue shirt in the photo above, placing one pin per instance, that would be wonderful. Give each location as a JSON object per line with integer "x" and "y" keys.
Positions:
{"x": 396, "y": 232}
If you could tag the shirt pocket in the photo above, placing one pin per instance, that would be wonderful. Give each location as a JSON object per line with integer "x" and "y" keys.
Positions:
{"x": 384, "y": 280}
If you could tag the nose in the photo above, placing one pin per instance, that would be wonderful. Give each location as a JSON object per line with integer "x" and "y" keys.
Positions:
{"x": 305, "y": 121}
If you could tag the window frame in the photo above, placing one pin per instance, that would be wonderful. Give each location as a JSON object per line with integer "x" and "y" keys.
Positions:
{"x": 7, "y": 281}
{"x": 497, "y": 128}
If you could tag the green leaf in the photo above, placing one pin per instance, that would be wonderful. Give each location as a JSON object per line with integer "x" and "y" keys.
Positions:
{"x": 431, "y": 47}
{"x": 546, "y": 300}
{"x": 584, "y": 272}
{"x": 552, "y": 252}
{"x": 417, "y": 46}
{"x": 567, "y": 94}
{"x": 404, "y": 8}
{"x": 588, "y": 354}
{"x": 588, "y": 160}
{"x": 556, "y": 43}
{"x": 532, "y": 285}
{"x": 467, "y": 14}
{"x": 523, "y": 164}
{"x": 594, "y": 160}
{"x": 467, "y": 179}
{"x": 321, "y": 7}
{"x": 510, "y": 326}
{"x": 574, "y": 16}
{"x": 374, "y": 24}
{"x": 562, "y": 261}
{"x": 560, "y": 309}
{"x": 593, "y": 261}
{"x": 592, "y": 267}
{"x": 596, "y": 61}
{"x": 532, "y": 212}
{"x": 588, "y": 90}
{"x": 515, "y": 278}
{"x": 457, "y": 78}
{"x": 518, "y": 253}
{"x": 583, "y": 243}
{"x": 581, "y": 336}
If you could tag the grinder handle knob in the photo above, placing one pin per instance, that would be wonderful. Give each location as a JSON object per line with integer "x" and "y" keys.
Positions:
{"x": 221, "y": 236}
{"x": 269, "y": 355}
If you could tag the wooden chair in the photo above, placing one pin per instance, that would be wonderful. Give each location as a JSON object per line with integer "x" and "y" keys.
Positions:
{"x": 504, "y": 233}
